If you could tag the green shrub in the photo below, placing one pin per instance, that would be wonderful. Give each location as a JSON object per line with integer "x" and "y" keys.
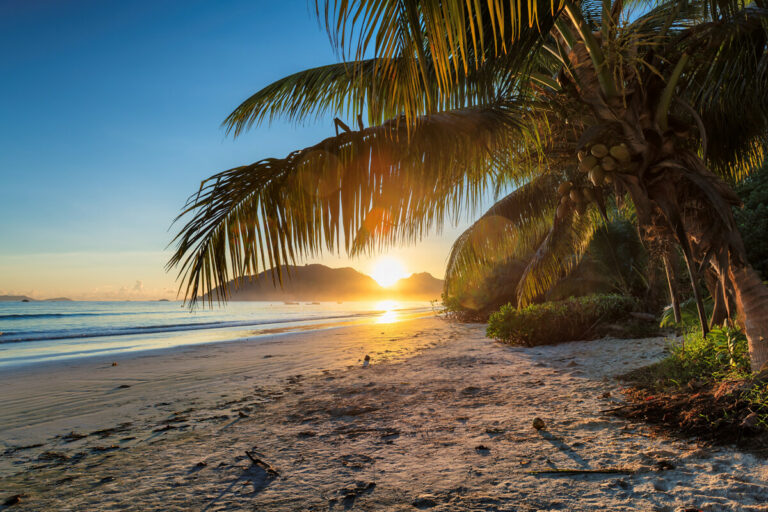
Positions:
{"x": 720, "y": 355}
{"x": 689, "y": 314}
{"x": 555, "y": 322}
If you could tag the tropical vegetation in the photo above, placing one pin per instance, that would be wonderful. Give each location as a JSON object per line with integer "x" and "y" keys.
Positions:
{"x": 575, "y": 318}
{"x": 574, "y": 106}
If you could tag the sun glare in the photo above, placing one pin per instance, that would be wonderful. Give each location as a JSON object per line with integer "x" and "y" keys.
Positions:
{"x": 389, "y": 311}
{"x": 387, "y": 271}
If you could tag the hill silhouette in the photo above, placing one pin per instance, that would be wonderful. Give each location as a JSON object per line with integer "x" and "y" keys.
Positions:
{"x": 321, "y": 283}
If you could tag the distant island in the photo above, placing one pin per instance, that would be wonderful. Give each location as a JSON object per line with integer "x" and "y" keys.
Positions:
{"x": 24, "y": 298}
{"x": 321, "y": 283}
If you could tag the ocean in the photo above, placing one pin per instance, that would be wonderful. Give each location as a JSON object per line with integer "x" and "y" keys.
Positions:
{"x": 40, "y": 331}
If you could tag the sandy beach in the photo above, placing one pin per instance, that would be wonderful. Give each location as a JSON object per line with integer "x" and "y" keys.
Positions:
{"x": 441, "y": 420}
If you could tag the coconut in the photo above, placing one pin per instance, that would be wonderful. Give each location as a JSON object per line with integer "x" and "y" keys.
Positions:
{"x": 581, "y": 208}
{"x": 608, "y": 163}
{"x": 587, "y": 163}
{"x": 599, "y": 150}
{"x": 580, "y": 155}
{"x": 620, "y": 153}
{"x": 589, "y": 194}
{"x": 596, "y": 175}
{"x": 562, "y": 210}
{"x": 609, "y": 178}
{"x": 576, "y": 196}
{"x": 564, "y": 199}
{"x": 564, "y": 188}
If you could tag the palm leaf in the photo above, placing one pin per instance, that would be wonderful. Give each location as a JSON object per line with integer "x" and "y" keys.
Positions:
{"x": 268, "y": 213}
{"x": 558, "y": 254}
{"x": 512, "y": 227}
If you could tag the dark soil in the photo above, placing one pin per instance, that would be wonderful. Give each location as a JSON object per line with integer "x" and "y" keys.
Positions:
{"x": 714, "y": 412}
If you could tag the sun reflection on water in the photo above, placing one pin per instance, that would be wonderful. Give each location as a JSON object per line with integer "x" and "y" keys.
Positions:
{"x": 389, "y": 313}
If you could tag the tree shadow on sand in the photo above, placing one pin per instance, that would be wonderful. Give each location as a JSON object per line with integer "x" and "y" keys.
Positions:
{"x": 563, "y": 447}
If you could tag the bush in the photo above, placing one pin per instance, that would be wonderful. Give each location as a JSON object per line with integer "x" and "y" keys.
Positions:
{"x": 555, "y": 322}
{"x": 721, "y": 355}
{"x": 704, "y": 387}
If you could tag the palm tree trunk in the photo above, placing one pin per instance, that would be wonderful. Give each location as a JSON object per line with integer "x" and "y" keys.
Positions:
{"x": 672, "y": 291}
{"x": 691, "y": 267}
{"x": 719, "y": 310}
{"x": 752, "y": 303}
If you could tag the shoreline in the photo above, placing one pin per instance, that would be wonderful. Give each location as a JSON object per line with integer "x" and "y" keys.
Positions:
{"x": 441, "y": 422}
{"x": 195, "y": 334}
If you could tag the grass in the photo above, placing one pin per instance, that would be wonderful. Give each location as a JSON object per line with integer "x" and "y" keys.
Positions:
{"x": 705, "y": 383}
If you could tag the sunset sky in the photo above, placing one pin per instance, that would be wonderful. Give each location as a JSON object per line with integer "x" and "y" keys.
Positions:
{"x": 110, "y": 116}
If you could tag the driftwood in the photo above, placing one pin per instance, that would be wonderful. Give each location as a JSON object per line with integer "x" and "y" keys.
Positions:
{"x": 266, "y": 466}
{"x": 606, "y": 471}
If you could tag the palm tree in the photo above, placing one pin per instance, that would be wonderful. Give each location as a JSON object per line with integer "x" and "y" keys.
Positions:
{"x": 572, "y": 104}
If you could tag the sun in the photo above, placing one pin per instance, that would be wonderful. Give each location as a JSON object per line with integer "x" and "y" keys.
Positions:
{"x": 387, "y": 271}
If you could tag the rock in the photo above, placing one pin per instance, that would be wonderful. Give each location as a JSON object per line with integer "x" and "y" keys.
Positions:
{"x": 664, "y": 465}
{"x": 538, "y": 423}
{"x": 114, "y": 363}
{"x": 366, "y": 360}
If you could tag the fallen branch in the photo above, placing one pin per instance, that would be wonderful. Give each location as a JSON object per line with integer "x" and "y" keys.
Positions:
{"x": 266, "y": 466}
{"x": 607, "y": 471}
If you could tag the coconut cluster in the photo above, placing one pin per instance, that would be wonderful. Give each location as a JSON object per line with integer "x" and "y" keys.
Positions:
{"x": 598, "y": 162}
{"x": 574, "y": 196}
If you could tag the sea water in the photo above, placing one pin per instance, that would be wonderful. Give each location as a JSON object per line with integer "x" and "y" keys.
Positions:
{"x": 40, "y": 331}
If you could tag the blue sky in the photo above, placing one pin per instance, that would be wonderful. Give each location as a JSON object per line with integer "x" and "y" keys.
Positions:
{"x": 110, "y": 116}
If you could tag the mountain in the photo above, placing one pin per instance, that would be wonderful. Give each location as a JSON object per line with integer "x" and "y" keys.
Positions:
{"x": 23, "y": 298}
{"x": 15, "y": 298}
{"x": 320, "y": 283}
{"x": 423, "y": 286}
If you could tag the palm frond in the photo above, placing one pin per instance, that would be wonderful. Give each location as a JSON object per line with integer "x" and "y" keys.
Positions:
{"x": 727, "y": 84}
{"x": 268, "y": 213}
{"x": 512, "y": 228}
{"x": 558, "y": 254}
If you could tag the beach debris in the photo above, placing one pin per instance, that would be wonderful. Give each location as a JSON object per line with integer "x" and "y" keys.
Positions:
{"x": 201, "y": 464}
{"x": 425, "y": 501}
{"x": 101, "y": 449}
{"x": 241, "y": 414}
{"x": 350, "y": 494}
{"x": 664, "y": 465}
{"x": 53, "y": 456}
{"x": 13, "y": 500}
{"x": 482, "y": 448}
{"x": 14, "y": 449}
{"x": 366, "y": 361}
{"x": 72, "y": 437}
{"x": 306, "y": 433}
{"x": 114, "y": 363}
{"x": 604, "y": 471}
{"x": 351, "y": 411}
{"x": 538, "y": 423}
{"x": 750, "y": 421}
{"x": 123, "y": 386}
{"x": 257, "y": 460}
